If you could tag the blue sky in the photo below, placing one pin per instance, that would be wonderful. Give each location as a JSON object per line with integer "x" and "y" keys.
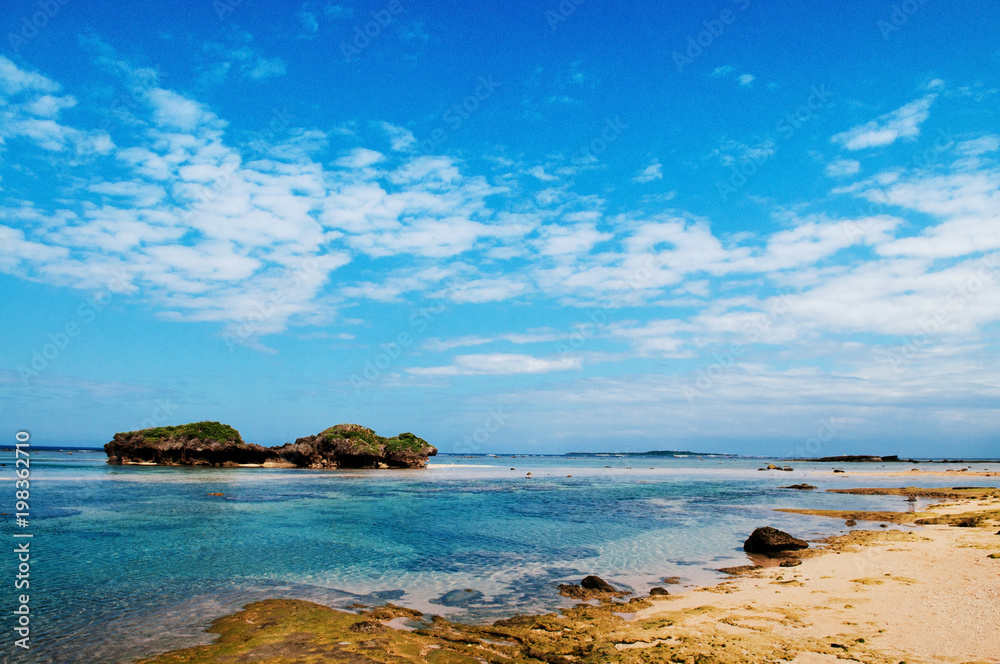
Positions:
{"x": 509, "y": 227}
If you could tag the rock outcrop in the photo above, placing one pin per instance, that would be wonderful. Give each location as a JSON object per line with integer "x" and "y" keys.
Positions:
{"x": 769, "y": 540}
{"x": 215, "y": 444}
{"x": 592, "y": 587}
{"x": 354, "y": 446}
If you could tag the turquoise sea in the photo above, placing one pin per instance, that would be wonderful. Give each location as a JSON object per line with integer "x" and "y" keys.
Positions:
{"x": 131, "y": 561}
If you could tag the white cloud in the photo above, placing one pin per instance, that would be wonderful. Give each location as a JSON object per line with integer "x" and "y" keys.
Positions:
{"x": 745, "y": 80}
{"x": 401, "y": 139}
{"x": 530, "y": 337}
{"x": 723, "y": 71}
{"x": 843, "y": 168}
{"x": 238, "y": 50}
{"x": 14, "y": 80}
{"x": 177, "y": 112}
{"x": 539, "y": 173}
{"x": 50, "y": 106}
{"x": 308, "y": 20}
{"x": 652, "y": 172}
{"x": 904, "y": 122}
{"x": 979, "y": 146}
{"x": 262, "y": 68}
{"x": 495, "y": 364}
{"x": 361, "y": 158}
{"x": 206, "y": 231}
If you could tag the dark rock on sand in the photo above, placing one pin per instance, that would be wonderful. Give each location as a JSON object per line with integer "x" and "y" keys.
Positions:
{"x": 597, "y": 583}
{"x": 795, "y": 562}
{"x": 771, "y": 540}
{"x": 971, "y": 522}
{"x": 658, "y": 592}
{"x": 215, "y": 444}
{"x": 799, "y": 487}
{"x": 590, "y": 588}
{"x": 740, "y": 569}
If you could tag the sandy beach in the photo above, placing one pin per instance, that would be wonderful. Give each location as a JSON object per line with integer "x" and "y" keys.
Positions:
{"x": 923, "y": 473}
{"x": 919, "y": 593}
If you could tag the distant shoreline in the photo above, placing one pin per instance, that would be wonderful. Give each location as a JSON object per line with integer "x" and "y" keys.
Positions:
{"x": 654, "y": 454}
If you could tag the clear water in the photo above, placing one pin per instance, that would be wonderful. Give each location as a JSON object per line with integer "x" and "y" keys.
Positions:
{"x": 131, "y": 561}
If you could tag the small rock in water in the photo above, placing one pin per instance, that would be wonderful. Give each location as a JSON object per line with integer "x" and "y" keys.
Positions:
{"x": 850, "y": 523}
{"x": 462, "y": 597}
{"x": 597, "y": 583}
{"x": 838, "y": 470}
{"x": 215, "y": 494}
{"x": 883, "y": 525}
{"x": 658, "y": 592}
{"x": 674, "y": 580}
{"x": 800, "y": 487}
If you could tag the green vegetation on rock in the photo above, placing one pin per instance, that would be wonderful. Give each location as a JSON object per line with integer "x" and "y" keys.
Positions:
{"x": 406, "y": 442}
{"x": 366, "y": 441}
{"x": 200, "y": 430}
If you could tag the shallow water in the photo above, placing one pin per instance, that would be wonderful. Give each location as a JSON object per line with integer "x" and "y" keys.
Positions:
{"x": 134, "y": 560}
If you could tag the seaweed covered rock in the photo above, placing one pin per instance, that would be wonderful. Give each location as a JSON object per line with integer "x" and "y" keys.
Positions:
{"x": 215, "y": 444}
{"x": 355, "y": 446}
{"x": 195, "y": 444}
